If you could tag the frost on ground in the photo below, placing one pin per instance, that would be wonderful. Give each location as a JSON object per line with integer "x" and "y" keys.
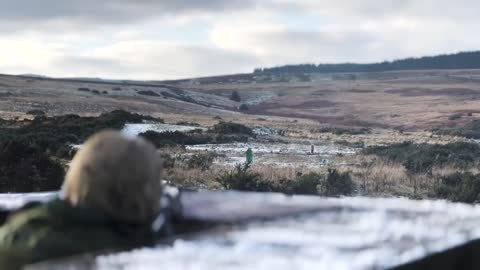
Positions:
{"x": 135, "y": 129}
{"x": 275, "y": 154}
{"x": 351, "y": 233}
{"x": 16, "y": 200}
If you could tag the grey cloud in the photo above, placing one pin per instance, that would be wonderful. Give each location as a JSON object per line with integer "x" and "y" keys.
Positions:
{"x": 293, "y": 46}
{"x": 379, "y": 9}
{"x": 153, "y": 61}
{"x": 22, "y": 12}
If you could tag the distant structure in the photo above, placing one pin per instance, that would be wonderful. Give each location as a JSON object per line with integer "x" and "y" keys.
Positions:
{"x": 312, "y": 149}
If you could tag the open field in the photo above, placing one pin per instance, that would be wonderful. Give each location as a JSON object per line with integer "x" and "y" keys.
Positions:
{"x": 341, "y": 115}
{"x": 408, "y": 99}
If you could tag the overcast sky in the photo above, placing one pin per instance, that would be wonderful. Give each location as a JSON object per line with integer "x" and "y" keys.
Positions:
{"x": 155, "y": 39}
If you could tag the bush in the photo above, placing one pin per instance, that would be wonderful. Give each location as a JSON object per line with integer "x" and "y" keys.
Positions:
{"x": 36, "y": 112}
{"x": 242, "y": 179}
{"x": 172, "y": 138}
{"x": 148, "y": 93}
{"x": 83, "y": 89}
{"x": 460, "y": 187}
{"x": 307, "y": 184}
{"x": 202, "y": 161}
{"x": 231, "y": 128}
{"x": 470, "y": 130}
{"x": 455, "y": 116}
{"x": 420, "y": 158}
{"x": 52, "y": 135}
{"x": 27, "y": 169}
{"x": 244, "y": 107}
{"x": 186, "y": 123}
{"x": 338, "y": 184}
{"x": 343, "y": 131}
{"x": 235, "y": 96}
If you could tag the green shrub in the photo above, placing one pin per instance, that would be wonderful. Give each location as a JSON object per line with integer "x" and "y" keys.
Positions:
{"x": 235, "y": 96}
{"x": 455, "y": 116}
{"x": 168, "y": 161}
{"x": 241, "y": 178}
{"x": 231, "y": 128}
{"x": 420, "y": 158}
{"x": 470, "y": 130}
{"x": 343, "y": 130}
{"x": 459, "y": 187}
{"x": 186, "y": 123}
{"x": 54, "y": 135}
{"x": 148, "y": 93}
{"x": 27, "y": 169}
{"x": 173, "y": 138}
{"x": 36, "y": 112}
{"x": 306, "y": 184}
{"x": 338, "y": 184}
{"x": 201, "y": 160}
{"x": 244, "y": 107}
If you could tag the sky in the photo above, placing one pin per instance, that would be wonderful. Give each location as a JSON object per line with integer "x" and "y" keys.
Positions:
{"x": 155, "y": 39}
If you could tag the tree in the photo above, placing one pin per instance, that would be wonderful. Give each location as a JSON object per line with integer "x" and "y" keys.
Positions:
{"x": 235, "y": 96}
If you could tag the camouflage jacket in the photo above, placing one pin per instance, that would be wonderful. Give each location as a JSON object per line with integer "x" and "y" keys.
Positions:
{"x": 56, "y": 229}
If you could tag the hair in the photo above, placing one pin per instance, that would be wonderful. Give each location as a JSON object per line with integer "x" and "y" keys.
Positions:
{"x": 117, "y": 175}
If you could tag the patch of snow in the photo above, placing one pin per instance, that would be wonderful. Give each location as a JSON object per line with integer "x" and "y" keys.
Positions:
{"x": 135, "y": 129}
{"x": 272, "y": 148}
{"x": 15, "y": 200}
{"x": 274, "y": 154}
{"x": 257, "y": 99}
{"x": 264, "y": 131}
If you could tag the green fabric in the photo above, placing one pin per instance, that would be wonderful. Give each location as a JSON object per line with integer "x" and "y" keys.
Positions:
{"x": 56, "y": 229}
{"x": 249, "y": 156}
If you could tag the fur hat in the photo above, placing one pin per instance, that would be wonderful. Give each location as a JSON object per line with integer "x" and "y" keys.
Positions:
{"x": 118, "y": 175}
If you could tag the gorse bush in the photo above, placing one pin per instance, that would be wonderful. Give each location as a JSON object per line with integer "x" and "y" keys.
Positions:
{"x": 342, "y": 130}
{"x": 338, "y": 184}
{"x": 173, "y": 138}
{"x": 470, "y": 130}
{"x": 235, "y": 96}
{"x": 241, "y": 178}
{"x": 306, "y": 184}
{"x": 201, "y": 161}
{"x": 26, "y": 169}
{"x": 231, "y": 128}
{"x": 28, "y": 146}
{"x": 459, "y": 187}
{"x": 244, "y": 107}
{"x": 332, "y": 184}
{"x": 421, "y": 158}
{"x": 52, "y": 134}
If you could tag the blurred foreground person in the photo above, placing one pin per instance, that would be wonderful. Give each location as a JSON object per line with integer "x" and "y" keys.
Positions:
{"x": 110, "y": 199}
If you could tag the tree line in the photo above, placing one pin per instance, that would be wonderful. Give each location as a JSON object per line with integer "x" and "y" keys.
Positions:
{"x": 462, "y": 60}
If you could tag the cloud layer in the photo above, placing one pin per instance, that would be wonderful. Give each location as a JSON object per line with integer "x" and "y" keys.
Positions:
{"x": 149, "y": 39}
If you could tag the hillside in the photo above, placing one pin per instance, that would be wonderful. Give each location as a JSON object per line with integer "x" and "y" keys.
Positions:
{"x": 397, "y": 99}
